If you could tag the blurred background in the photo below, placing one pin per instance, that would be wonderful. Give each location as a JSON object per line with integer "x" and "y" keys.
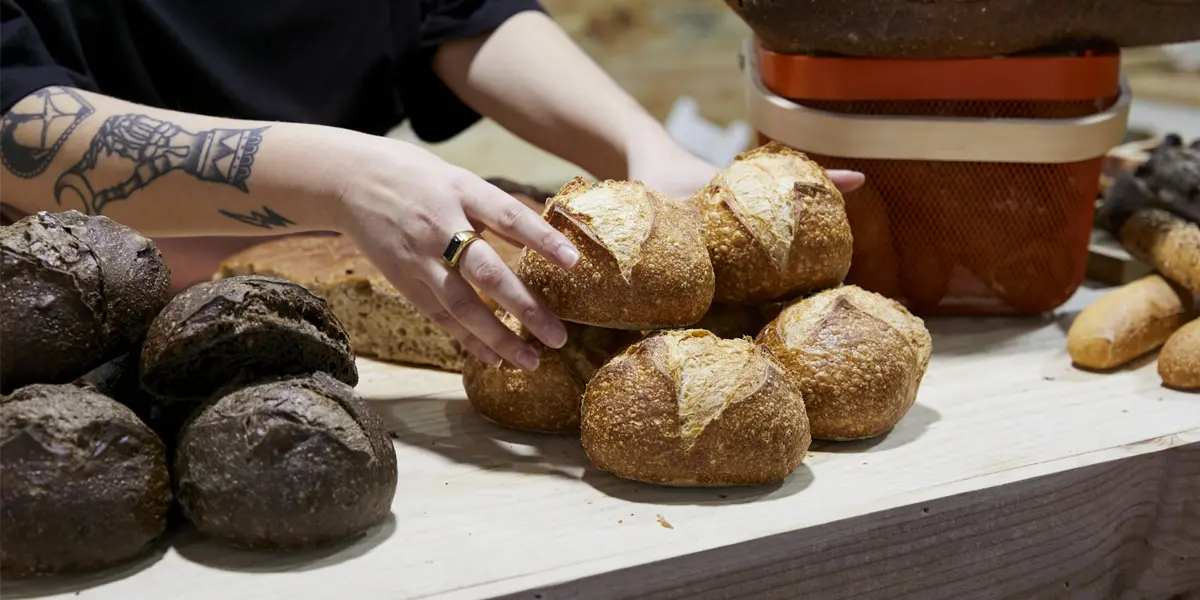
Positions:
{"x": 682, "y": 55}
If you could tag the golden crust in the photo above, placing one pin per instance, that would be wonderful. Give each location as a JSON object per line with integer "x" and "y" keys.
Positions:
{"x": 717, "y": 413}
{"x": 768, "y": 243}
{"x": 546, "y": 400}
{"x": 659, "y": 276}
{"x": 857, "y": 357}
{"x": 1179, "y": 360}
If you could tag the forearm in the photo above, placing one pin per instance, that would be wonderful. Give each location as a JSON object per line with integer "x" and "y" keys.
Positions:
{"x": 533, "y": 80}
{"x": 166, "y": 173}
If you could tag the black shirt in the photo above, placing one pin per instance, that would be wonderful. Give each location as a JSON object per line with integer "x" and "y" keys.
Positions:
{"x": 357, "y": 64}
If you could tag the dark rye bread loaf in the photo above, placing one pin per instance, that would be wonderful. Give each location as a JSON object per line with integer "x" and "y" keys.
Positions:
{"x": 83, "y": 483}
{"x": 964, "y": 29}
{"x": 75, "y": 292}
{"x": 239, "y": 330}
{"x": 291, "y": 463}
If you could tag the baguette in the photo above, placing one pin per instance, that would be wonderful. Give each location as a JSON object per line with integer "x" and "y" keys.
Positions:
{"x": 1179, "y": 361}
{"x": 686, "y": 408}
{"x": 1166, "y": 242}
{"x": 775, "y": 227}
{"x": 1127, "y": 323}
{"x": 642, "y": 265}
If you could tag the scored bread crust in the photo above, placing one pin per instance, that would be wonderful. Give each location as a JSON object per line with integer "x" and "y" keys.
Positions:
{"x": 546, "y": 400}
{"x": 857, "y": 357}
{"x": 643, "y": 264}
{"x": 685, "y": 408}
{"x": 775, "y": 227}
{"x": 1179, "y": 360}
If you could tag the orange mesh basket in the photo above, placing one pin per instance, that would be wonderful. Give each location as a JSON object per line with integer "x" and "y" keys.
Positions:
{"x": 982, "y": 174}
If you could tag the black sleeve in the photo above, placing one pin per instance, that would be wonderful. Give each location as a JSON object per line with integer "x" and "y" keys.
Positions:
{"x": 435, "y": 112}
{"x": 27, "y": 63}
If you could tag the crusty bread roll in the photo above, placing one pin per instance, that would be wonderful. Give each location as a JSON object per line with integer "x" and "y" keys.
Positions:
{"x": 546, "y": 400}
{"x": 775, "y": 227}
{"x": 1179, "y": 361}
{"x": 857, "y": 357}
{"x": 380, "y": 321}
{"x": 1127, "y": 322}
{"x": 1166, "y": 242}
{"x": 686, "y": 408}
{"x": 643, "y": 264}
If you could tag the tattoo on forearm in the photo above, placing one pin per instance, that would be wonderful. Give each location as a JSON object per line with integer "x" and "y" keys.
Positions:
{"x": 149, "y": 148}
{"x": 268, "y": 219}
{"x": 33, "y": 130}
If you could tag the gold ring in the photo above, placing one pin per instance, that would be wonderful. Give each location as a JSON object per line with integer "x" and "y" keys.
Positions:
{"x": 458, "y": 244}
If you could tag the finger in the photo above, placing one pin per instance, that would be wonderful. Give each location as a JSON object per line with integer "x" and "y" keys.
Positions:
{"x": 426, "y": 302}
{"x": 482, "y": 266}
{"x": 510, "y": 218}
{"x": 464, "y": 304}
{"x": 847, "y": 181}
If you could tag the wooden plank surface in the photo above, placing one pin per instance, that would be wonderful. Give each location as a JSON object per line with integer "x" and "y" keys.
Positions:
{"x": 1014, "y": 476}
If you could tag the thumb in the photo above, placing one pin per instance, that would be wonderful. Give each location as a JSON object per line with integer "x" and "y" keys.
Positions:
{"x": 847, "y": 181}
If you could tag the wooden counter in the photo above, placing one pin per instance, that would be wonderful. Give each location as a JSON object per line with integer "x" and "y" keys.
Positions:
{"x": 1015, "y": 476}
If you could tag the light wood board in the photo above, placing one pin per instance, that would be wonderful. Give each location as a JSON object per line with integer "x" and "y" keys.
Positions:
{"x": 1014, "y": 476}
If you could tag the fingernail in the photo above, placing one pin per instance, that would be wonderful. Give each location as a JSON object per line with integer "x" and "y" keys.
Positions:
{"x": 528, "y": 359}
{"x": 567, "y": 255}
{"x": 557, "y": 336}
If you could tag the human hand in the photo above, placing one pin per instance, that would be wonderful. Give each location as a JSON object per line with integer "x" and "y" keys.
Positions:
{"x": 679, "y": 174}
{"x": 402, "y": 205}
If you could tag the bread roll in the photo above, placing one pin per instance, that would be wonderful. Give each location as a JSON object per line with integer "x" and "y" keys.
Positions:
{"x": 775, "y": 227}
{"x": 381, "y": 322}
{"x": 295, "y": 463}
{"x": 1166, "y": 242}
{"x": 546, "y": 400}
{"x": 642, "y": 262}
{"x": 83, "y": 483}
{"x": 239, "y": 330}
{"x": 75, "y": 292}
{"x": 120, "y": 380}
{"x": 857, "y": 357}
{"x": 1127, "y": 323}
{"x": 686, "y": 408}
{"x": 1179, "y": 361}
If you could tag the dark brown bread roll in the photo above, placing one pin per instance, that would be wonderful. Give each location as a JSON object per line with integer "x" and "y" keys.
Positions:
{"x": 83, "y": 482}
{"x": 118, "y": 379}
{"x": 240, "y": 330}
{"x": 292, "y": 463}
{"x": 75, "y": 292}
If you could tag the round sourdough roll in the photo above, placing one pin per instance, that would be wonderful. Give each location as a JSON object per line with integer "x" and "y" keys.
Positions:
{"x": 1179, "y": 361}
{"x": 875, "y": 266}
{"x": 686, "y": 408}
{"x": 285, "y": 464}
{"x": 642, "y": 262}
{"x": 83, "y": 483}
{"x": 857, "y": 357}
{"x": 238, "y": 330}
{"x": 775, "y": 227}
{"x": 546, "y": 400}
{"x": 75, "y": 292}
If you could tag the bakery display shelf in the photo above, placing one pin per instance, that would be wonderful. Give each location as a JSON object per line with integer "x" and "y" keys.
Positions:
{"x": 1015, "y": 474}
